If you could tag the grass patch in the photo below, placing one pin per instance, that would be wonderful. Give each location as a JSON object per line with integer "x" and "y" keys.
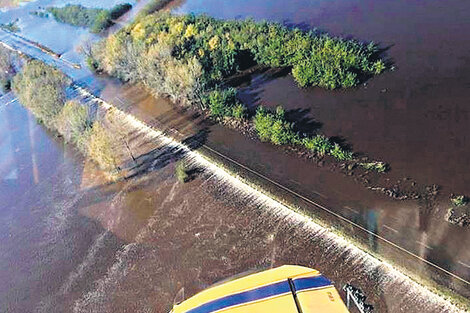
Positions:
{"x": 95, "y": 19}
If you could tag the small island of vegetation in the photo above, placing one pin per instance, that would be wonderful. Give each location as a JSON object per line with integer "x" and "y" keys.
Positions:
{"x": 95, "y": 19}
{"x": 189, "y": 59}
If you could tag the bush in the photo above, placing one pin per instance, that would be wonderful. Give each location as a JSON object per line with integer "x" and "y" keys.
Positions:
{"x": 274, "y": 127}
{"x": 459, "y": 200}
{"x": 152, "y": 6}
{"x": 181, "y": 172}
{"x": 101, "y": 22}
{"x": 41, "y": 88}
{"x": 11, "y": 27}
{"x": 340, "y": 154}
{"x": 318, "y": 144}
{"x": 119, "y": 10}
{"x": 100, "y": 147}
{"x": 377, "y": 166}
{"x": 92, "y": 64}
{"x": 73, "y": 124}
{"x": 239, "y": 111}
{"x": 223, "y": 102}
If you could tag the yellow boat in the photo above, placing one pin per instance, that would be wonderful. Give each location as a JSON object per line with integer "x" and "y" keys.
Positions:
{"x": 286, "y": 289}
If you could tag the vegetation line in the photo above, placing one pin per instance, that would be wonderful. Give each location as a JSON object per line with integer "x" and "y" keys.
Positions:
{"x": 96, "y": 20}
{"x": 42, "y": 89}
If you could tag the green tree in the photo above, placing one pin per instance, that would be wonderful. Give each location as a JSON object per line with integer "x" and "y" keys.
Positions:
{"x": 41, "y": 88}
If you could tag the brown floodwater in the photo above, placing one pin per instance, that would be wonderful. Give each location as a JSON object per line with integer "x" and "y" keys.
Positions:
{"x": 415, "y": 117}
{"x": 73, "y": 242}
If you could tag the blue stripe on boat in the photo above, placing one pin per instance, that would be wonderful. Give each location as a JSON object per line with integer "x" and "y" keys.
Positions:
{"x": 311, "y": 282}
{"x": 243, "y": 297}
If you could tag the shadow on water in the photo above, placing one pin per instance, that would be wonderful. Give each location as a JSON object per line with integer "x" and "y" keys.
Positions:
{"x": 303, "y": 123}
{"x": 159, "y": 158}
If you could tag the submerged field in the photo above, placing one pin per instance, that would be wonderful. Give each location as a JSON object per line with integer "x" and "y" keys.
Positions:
{"x": 413, "y": 118}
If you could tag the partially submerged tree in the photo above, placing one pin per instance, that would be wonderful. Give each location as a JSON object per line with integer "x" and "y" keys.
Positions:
{"x": 41, "y": 88}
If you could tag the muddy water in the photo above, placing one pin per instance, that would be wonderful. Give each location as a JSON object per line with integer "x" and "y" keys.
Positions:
{"x": 421, "y": 231}
{"x": 415, "y": 117}
{"x": 74, "y": 243}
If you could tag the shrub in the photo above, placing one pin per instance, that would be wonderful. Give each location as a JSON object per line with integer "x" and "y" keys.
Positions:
{"x": 119, "y": 10}
{"x": 8, "y": 63}
{"x": 340, "y": 154}
{"x": 41, "y": 88}
{"x": 5, "y": 84}
{"x": 92, "y": 64}
{"x": 73, "y": 124}
{"x": 11, "y": 27}
{"x": 181, "y": 172}
{"x": 160, "y": 44}
{"x": 319, "y": 144}
{"x": 100, "y": 147}
{"x": 459, "y": 200}
{"x": 101, "y": 21}
{"x": 274, "y": 127}
{"x": 377, "y": 166}
{"x": 223, "y": 102}
{"x": 239, "y": 111}
{"x": 152, "y": 6}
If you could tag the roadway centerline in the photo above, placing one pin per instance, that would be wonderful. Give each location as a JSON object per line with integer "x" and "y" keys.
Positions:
{"x": 464, "y": 264}
{"x": 390, "y": 228}
{"x": 424, "y": 245}
{"x": 351, "y": 209}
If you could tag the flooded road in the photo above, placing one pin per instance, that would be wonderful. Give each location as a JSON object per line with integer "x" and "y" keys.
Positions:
{"x": 403, "y": 117}
{"x": 74, "y": 243}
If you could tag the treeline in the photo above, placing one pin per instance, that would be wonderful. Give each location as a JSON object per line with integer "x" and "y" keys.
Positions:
{"x": 163, "y": 45}
{"x": 42, "y": 89}
{"x": 95, "y": 19}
